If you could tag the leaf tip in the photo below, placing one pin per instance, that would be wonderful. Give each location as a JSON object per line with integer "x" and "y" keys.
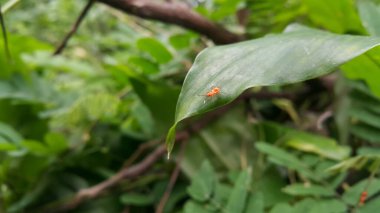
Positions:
{"x": 170, "y": 140}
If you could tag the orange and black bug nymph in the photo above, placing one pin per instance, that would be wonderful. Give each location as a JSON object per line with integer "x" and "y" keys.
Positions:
{"x": 214, "y": 91}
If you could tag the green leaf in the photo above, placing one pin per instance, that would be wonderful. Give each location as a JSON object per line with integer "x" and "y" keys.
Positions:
{"x": 4, "y": 146}
{"x": 140, "y": 123}
{"x": 36, "y": 147}
{"x": 7, "y": 132}
{"x": 191, "y": 207}
{"x": 143, "y": 65}
{"x": 282, "y": 208}
{"x": 202, "y": 185}
{"x": 368, "y": 151}
{"x": 270, "y": 185}
{"x": 356, "y": 162}
{"x": 365, "y": 116}
{"x": 238, "y": 197}
{"x": 19, "y": 45}
{"x": 304, "y": 205}
{"x": 297, "y": 55}
{"x": 306, "y": 190}
{"x": 229, "y": 133}
{"x": 170, "y": 139}
{"x": 323, "y": 146}
{"x": 136, "y": 199}
{"x": 367, "y": 63}
{"x": 56, "y": 142}
{"x": 255, "y": 203}
{"x": 337, "y": 16}
{"x": 370, "y": 16}
{"x": 159, "y": 98}
{"x": 328, "y": 206}
{"x": 371, "y": 206}
{"x": 181, "y": 41}
{"x": 366, "y": 132}
{"x": 284, "y": 158}
{"x": 155, "y": 48}
{"x": 221, "y": 195}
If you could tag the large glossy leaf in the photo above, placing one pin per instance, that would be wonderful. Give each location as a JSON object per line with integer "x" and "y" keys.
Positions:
{"x": 298, "y": 54}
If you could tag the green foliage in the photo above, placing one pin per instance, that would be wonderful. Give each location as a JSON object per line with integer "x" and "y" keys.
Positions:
{"x": 72, "y": 121}
{"x": 308, "y": 190}
{"x": 155, "y": 49}
{"x": 211, "y": 195}
{"x": 272, "y": 15}
{"x": 303, "y": 141}
{"x": 369, "y": 13}
{"x": 336, "y": 16}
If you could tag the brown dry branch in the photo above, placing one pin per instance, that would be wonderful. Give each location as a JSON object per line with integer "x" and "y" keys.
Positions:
{"x": 168, "y": 12}
{"x": 175, "y": 13}
{"x": 97, "y": 190}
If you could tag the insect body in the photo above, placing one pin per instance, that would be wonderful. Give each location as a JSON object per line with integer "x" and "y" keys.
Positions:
{"x": 214, "y": 91}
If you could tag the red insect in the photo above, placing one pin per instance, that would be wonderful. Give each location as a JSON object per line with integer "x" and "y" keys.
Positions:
{"x": 213, "y": 92}
{"x": 363, "y": 197}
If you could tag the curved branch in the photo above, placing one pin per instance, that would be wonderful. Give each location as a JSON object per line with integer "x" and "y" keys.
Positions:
{"x": 175, "y": 13}
{"x": 74, "y": 28}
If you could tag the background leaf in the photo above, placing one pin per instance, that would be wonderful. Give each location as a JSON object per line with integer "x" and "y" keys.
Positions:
{"x": 369, "y": 13}
{"x": 239, "y": 194}
{"x": 304, "y": 190}
{"x": 203, "y": 184}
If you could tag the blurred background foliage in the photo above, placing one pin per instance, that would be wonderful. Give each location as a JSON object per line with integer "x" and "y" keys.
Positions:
{"x": 70, "y": 121}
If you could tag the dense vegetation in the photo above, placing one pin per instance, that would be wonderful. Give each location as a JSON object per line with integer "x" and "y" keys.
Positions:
{"x": 293, "y": 126}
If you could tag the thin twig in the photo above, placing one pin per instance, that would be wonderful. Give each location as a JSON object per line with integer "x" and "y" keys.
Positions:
{"x": 173, "y": 179}
{"x": 5, "y": 38}
{"x": 322, "y": 118}
{"x": 140, "y": 150}
{"x": 74, "y": 27}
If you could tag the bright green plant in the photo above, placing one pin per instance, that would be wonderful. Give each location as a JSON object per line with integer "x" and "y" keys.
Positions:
{"x": 291, "y": 138}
